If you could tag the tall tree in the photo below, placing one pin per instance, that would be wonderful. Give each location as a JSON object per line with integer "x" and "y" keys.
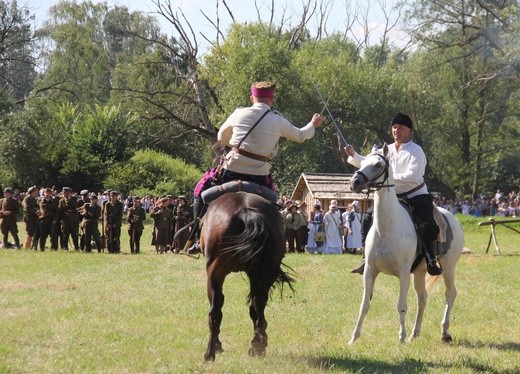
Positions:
{"x": 17, "y": 62}
{"x": 466, "y": 60}
{"x": 76, "y": 67}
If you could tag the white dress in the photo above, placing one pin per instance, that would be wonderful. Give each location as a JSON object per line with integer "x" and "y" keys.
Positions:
{"x": 333, "y": 241}
{"x": 314, "y": 226}
{"x": 354, "y": 239}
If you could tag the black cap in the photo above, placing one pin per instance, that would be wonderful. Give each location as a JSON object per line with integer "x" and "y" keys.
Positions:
{"x": 402, "y": 119}
{"x": 113, "y": 192}
{"x": 8, "y": 189}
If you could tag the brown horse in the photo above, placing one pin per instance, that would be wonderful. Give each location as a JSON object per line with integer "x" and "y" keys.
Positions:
{"x": 242, "y": 232}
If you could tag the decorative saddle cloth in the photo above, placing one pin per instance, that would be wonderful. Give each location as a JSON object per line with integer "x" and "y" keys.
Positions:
{"x": 238, "y": 186}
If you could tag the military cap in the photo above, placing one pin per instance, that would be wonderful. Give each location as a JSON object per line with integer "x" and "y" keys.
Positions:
{"x": 169, "y": 196}
{"x": 263, "y": 89}
{"x": 92, "y": 196}
{"x": 8, "y": 190}
{"x": 66, "y": 189}
{"x": 31, "y": 189}
{"x": 48, "y": 189}
{"x": 83, "y": 192}
{"x": 182, "y": 197}
{"x": 137, "y": 198}
{"x": 113, "y": 192}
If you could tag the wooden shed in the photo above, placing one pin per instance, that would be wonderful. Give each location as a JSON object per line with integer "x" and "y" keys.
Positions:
{"x": 322, "y": 187}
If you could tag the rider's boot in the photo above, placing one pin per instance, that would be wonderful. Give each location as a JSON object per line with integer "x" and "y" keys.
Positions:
{"x": 197, "y": 208}
{"x": 360, "y": 269}
{"x": 431, "y": 260}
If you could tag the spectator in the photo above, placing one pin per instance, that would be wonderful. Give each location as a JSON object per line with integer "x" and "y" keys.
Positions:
{"x": 293, "y": 222}
{"x": 353, "y": 223}
{"x": 332, "y": 222}
{"x": 315, "y": 225}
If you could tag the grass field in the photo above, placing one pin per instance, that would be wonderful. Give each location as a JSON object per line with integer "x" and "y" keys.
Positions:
{"x": 77, "y": 312}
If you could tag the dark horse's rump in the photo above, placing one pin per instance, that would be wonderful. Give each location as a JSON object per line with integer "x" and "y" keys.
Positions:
{"x": 243, "y": 232}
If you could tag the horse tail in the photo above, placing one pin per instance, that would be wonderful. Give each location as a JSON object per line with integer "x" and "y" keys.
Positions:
{"x": 259, "y": 250}
{"x": 432, "y": 282}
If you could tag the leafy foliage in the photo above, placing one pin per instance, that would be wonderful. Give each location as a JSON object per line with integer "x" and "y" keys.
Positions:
{"x": 110, "y": 83}
{"x": 153, "y": 173}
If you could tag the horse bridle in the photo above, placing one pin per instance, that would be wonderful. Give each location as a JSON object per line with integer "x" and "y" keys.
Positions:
{"x": 376, "y": 186}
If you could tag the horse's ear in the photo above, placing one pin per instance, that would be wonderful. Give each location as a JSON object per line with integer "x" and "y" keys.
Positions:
{"x": 385, "y": 149}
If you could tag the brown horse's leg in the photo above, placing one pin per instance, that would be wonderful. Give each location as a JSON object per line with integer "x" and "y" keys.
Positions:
{"x": 256, "y": 312}
{"x": 216, "y": 299}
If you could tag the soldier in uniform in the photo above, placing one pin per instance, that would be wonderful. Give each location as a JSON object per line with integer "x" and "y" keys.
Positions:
{"x": 48, "y": 215}
{"x": 9, "y": 208}
{"x": 68, "y": 206}
{"x": 163, "y": 218}
{"x": 90, "y": 213}
{"x": 30, "y": 217}
{"x": 183, "y": 217}
{"x": 84, "y": 199}
{"x": 135, "y": 216}
{"x": 172, "y": 205}
{"x": 113, "y": 218}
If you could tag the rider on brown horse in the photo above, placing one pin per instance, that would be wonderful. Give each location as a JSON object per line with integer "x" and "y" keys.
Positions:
{"x": 250, "y": 150}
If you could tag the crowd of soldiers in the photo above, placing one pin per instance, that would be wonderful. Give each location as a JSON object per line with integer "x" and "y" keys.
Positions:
{"x": 67, "y": 218}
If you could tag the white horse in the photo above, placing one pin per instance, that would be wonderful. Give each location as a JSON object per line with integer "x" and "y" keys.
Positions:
{"x": 391, "y": 247}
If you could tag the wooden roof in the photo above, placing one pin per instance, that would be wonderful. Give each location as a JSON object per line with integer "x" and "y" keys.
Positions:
{"x": 326, "y": 186}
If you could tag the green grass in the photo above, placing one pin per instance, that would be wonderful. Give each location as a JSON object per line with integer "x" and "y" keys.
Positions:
{"x": 77, "y": 312}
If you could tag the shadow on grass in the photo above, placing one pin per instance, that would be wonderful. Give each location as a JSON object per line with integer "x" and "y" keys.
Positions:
{"x": 506, "y": 346}
{"x": 410, "y": 365}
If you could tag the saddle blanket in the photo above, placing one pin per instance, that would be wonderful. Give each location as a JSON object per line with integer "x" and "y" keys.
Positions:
{"x": 238, "y": 186}
{"x": 445, "y": 234}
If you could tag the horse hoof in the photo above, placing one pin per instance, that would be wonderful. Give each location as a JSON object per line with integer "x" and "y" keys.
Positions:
{"x": 447, "y": 339}
{"x": 256, "y": 352}
{"x": 209, "y": 357}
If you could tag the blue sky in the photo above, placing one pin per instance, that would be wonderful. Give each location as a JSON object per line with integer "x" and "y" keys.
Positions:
{"x": 244, "y": 10}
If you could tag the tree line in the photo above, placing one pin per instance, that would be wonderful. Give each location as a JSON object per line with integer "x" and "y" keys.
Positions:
{"x": 100, "y": 96}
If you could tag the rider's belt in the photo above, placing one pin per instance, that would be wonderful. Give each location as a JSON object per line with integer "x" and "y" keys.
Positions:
{"x": 249, "y": 154}
{"x": 404, "y": 194}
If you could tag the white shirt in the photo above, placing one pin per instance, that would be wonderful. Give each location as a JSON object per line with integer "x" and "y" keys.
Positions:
{"x": 262, "y": 141}
{"x": 408, "y": 167}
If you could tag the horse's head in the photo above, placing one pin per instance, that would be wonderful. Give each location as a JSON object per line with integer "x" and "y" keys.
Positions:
{"x": 373, "y": 172}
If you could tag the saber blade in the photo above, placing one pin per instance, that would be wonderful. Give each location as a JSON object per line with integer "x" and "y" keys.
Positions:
{"x": 326, "y": 107}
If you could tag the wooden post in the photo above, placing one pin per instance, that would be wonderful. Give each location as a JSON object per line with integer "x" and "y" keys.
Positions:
{"x": 492, "y": 222}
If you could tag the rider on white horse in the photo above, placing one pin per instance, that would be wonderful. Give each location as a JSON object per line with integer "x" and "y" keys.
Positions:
{"x": 408, "y": 163}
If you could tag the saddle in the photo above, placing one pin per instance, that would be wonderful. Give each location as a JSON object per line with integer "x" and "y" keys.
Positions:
{"x": 238, "y": 186}
{"x": 444, "y": 231}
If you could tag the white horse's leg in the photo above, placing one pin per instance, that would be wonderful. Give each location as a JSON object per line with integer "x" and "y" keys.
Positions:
{"x": 369, "y": 278}
{"x": 422, "y": 297}
{"x": 448, "y": 274}
{"x": 402, "y": 306}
